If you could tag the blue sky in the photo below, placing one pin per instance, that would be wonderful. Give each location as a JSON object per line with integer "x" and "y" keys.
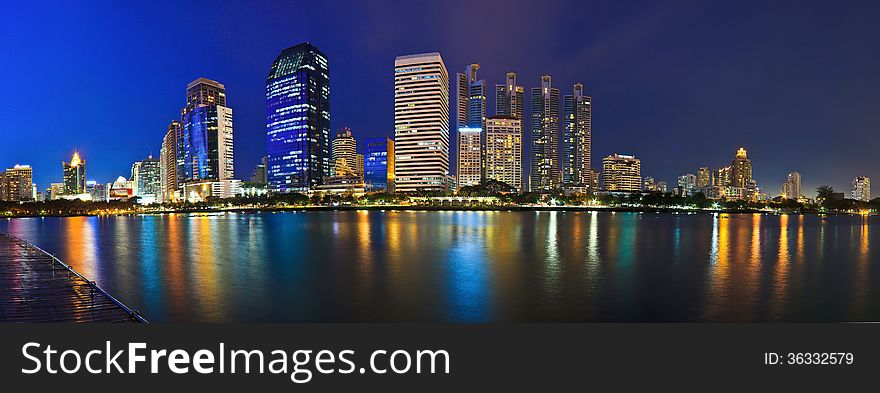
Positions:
{"x": 680, "y": 84}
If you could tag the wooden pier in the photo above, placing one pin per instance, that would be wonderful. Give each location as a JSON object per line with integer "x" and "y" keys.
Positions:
{"x": 38, "y": 287}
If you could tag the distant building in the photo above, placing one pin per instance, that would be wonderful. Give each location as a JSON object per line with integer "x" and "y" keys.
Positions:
{"x": 861, "y": 189}
{"x": 74, "y": 175}
{"x": 648, "y": 184}
{"x": 207, "y": 133}
{"x": 704, "y": 178}
{"x": 259, "y": 176}
{"x": 741, "y": 169}
{"x": 379, "y": 164}
{"x": 576, "y": 136}
{"x": 146, "y": 176}
{"x": 168, "y": 163}
{"x": 509, "y": 98}
{"x": 121, "y": 190}
{"x": 662, "y": 186}
{"x": 621, "y": 173}
{"x": 504, "y": 151}
{"x": 55, "y": 191}
{"x": 16, "y": 184}
{"x": 545, "y": 171}
{"x": 212, "y": 189}
{"x": 791, "y": 187}
{"x": 298, "y": 119}
{"x": 344, "y": 154}
{"x": 687, "y": 183}
{"x": 98, "y": 191}
{"x": 470, "y": 155}
{"x": 421, "y": 123}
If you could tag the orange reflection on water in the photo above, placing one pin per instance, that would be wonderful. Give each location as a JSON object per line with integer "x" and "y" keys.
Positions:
{"x": 861, "y": 288}
{"x": 781, "y": 274}
{"x": 176, "y": 277}
{"x": 81, "y": 246}
{"x": 205, "y": 269}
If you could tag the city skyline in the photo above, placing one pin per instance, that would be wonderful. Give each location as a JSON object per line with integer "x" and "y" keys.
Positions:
{"x": 620, "y": 124}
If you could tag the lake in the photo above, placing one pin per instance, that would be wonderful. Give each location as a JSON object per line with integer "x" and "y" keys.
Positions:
{"x": 474, "y": 266}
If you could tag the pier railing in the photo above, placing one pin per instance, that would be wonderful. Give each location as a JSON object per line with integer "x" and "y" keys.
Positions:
{"x": 58, "y": 264}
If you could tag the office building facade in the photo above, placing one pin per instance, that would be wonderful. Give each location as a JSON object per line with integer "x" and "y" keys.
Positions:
{"x": 577, "y": 137}
{"x": 504, "y": 150}
{"x": 379, "y": 165}
{"x": 545, "y": 170}
{"x": 421, "y": 123}
{"x": 298, "y": 119}
{"x": 621, "y": 173}
{"x": 206, "y": 142}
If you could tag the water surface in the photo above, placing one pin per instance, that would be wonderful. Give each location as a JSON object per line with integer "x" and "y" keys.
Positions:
{"x": 474, "y": 266}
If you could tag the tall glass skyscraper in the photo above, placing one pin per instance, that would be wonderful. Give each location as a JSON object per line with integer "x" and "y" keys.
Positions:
{"x": 74, "y": 175}
{"x": 205, "y": 146}
{"x": 298, "y": 119}
{"x": 576, "y": 137}
{"x": 545, "y": 137}
{"x": 379, "y": 164}
{"x": 471, "y": 122}
{"x": 509, "y": 99}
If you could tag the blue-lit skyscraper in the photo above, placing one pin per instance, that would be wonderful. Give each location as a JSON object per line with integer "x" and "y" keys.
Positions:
{"x": 205, "y": 147}
{"x": 379, "y": 164}
{"x": 298, "y": 119}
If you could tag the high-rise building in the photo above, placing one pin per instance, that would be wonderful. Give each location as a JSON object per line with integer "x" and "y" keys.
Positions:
{"x": 298, "y": 119}
{"x": 687, "y": 184}
{"x": 147, "y": 177}
{"x": 421, "y": 123}
{"x": 704, "y": 178}
{"x": 861, "y": 189}
{"x": 504, "y": 156}
{"x": 576, "y": 138}
{"x": 168, "y": 162}
{"x": 741, "y": 170}
{"x": 260, "y": 176}
{"x": 16, "y": 184}
{"x": 379, "y": 164}
{"x": 545, "y": 137}
{"x": 621, "y": 173}
{"x": 791, "y": 187}
{"x": 55, "y": 191}
{"x": 344, "y": 154}
{"x": 207, "y": 133}
{"x": 649, "y": 185}
{"x": 74, "y": 175}
{"x": 661, "y": 186}
{"x": 471, "y": 121}
{"x": 509, "y": 98}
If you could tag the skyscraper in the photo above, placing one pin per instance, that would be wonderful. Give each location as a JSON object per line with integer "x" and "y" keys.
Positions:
{"x": 345, "y": 161}
{"x": 704, "y": 178}
{"x": 741, "y": 169}
{"x": 146, "y": 174}
{"x": 168, "y": 162}
{"x": 545, "y": 137}
{"x": 509, "y": 98}
{"x": 74, "y": 175}
{"x": 576, "y": 139}
{"x": 471, "y": 120}
{"x": 207, "y": 133}
{"x": 791, "y": 187}
{"x": 687, "y": 184}
{"x": 621, "y": 173}
{"x": 504, "y": 144}
{"x": 421, "y": 123}
{"x": 861, "y": 189}
{"x": 260, "y": 176}
{"x": 298, "y": 119}
{"x": 16, "y": 184}
{"x": 379, "y": 164}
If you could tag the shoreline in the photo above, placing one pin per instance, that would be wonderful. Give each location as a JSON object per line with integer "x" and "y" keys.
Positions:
{"x": 621, "y": 209}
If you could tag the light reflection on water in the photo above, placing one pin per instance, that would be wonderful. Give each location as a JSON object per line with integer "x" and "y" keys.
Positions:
{"x": 474, "y": 266}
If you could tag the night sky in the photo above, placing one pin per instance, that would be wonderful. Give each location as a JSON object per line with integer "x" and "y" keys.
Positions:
{"x": 678, "y": 84}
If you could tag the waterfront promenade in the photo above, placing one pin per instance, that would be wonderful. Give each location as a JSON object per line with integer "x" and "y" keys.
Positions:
{"x": 37, "y": 287}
